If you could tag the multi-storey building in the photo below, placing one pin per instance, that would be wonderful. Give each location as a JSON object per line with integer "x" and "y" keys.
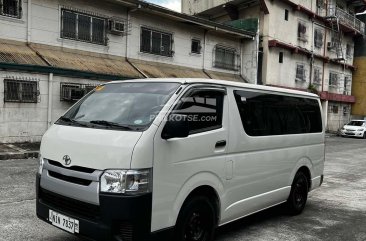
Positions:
{"x": 53, "y": 52}
{"x": 304, "y": 44}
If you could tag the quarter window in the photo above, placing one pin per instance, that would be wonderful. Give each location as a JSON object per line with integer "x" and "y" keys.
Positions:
{"x": 156, "y": 42}
{"x": 83, "y": 27}
{"x": 203, "y": 109}
{"x": 265, "y": 114}
{"x": 20, "y": 91}
{"x": 11, "y": 8}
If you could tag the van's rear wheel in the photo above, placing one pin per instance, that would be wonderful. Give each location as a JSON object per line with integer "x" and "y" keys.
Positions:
{"x": 298, "y": 195}
{"x": 196, "y": 220}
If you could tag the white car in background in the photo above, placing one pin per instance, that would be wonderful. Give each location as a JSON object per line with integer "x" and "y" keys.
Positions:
{"x": 356, "y": 128}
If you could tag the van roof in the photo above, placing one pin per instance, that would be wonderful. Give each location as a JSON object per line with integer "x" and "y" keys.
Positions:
{"x": 222, "y": 82}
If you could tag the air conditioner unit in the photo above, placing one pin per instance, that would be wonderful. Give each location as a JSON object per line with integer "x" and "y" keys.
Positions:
{"x": 71, "y": 92}
{"x": 117, "y": 27}
{"x": 331, "y": 45}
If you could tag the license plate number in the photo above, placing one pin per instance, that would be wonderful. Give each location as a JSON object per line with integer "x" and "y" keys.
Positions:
{"x": 61, "y": 221}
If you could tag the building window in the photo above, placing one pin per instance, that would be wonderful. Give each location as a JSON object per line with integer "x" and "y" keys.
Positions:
{"x": 318, "y": 38}
{"x": 11, "y": 8}
{"x": 333, "y": 79}
{"x": 83, "y": 27}
{"x": 346, "y": 110}
{"x": 226, "y": 58}
{"x": 302, "y": 31}
{"x": 300, "y": 72}
{"x": 286, "y": 14}
{"x": 280, "y": 57}
{"x": 317, "y": 75}
{"x": 20, "y": 91}
{"x": 74, "y": 91}
{"x": 349, "y": 51}
{"x": 156, "y": 42}
{"x": 333, "y": 109}
{"x": 196, "y": 46}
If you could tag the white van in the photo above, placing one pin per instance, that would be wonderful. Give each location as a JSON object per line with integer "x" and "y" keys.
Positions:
{"x": 177, "y": 158}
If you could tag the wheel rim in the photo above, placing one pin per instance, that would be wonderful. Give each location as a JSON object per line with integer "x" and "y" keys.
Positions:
{"x": 300, "y": 193}
{"x": 196, "y": 227}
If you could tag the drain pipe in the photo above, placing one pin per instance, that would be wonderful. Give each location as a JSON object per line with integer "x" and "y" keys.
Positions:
{"x": 129, "y": 11}
{"x": 29, "y": 21}
{"x": 204, "y": 54}
{"x": 49, "y": 109}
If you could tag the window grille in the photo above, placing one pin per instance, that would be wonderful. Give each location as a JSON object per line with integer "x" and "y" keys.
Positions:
{"x": 226, "y": 58}
{"x": 73, "y": 91}
{"x": 333, "y": 79}
{"x": 317, "y": 77}
{"x": 20, "y": 91}
{"x": 302, "y": 31}
{"x": 11, "y": 8}
{"x": 300, "y": 72}
{"x": 155, "y": 42}
{"x": 333, "y": 109}
{"x": 83, "y": 27}
{"x": 318, "y": 38}
{"x": 196, "y": 46}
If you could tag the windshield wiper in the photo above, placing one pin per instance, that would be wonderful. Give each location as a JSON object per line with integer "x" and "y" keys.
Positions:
{"x": 111, "y": 124}
{"x": 67, "y": 119}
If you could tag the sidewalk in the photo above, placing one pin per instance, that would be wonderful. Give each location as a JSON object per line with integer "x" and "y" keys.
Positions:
{"x": 19, "y": 151}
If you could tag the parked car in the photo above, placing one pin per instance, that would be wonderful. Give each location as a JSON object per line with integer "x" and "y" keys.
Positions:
{"x": 178, "y": 157}
{"x": 355, "y": 128}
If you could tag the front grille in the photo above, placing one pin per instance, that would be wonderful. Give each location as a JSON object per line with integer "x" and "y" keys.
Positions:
{"x": 70, "y": 179}
{"x": 125, "y": 231}
{"x": 68, "y": 205}
{"x": 73, "y": 168}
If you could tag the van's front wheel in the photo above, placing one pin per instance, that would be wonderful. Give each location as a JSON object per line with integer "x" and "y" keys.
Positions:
{"x": 196, "y": 221}
{"x": 298, "y": 195}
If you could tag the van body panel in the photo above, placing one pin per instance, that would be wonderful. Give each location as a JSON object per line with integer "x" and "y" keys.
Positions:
{"x": 93, "y": 148}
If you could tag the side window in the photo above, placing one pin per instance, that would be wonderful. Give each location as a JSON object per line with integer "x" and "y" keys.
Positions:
{"x": 268, "y": 114}
{"x": 203, "y": 109}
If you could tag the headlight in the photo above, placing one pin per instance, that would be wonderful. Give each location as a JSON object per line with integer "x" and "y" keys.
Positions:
{"x": 360, "y": 130}
{"x": 126, "y": 181}
{"x": 40, "y": 167}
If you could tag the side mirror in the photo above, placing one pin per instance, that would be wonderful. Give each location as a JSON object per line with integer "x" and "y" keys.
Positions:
{"x": 176, "y": 126}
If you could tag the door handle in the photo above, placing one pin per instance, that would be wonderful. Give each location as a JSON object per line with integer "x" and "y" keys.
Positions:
{"x": 220, "y": 144}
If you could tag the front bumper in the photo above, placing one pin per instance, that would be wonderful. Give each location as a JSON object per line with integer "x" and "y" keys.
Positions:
{"x": 352, "y": 133}
{"x": 126, "y": 218}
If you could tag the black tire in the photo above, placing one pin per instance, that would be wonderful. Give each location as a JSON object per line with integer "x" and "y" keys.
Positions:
{"x": 364, "y": 135}
{"x": 196, "y": 220}
{"x": 299, "y": 194}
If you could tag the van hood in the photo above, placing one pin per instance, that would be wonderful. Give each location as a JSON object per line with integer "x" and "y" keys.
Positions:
{"x": 93, "y": 148}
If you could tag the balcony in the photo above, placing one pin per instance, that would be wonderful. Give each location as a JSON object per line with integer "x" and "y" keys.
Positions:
{"x": 347, "y": 21}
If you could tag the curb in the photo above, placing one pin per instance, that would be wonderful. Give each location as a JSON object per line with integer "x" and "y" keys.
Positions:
{"x": 23, "y": 155}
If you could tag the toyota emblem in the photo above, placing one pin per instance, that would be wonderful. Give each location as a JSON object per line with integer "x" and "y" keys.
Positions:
{"x": 67, "y": 160}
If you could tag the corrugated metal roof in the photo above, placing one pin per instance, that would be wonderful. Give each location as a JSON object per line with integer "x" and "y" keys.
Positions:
{"x": 161, "y": 70}
{"x": 19, "y": 53}
{"x": 86, "y": 61}
{"x": 225, "y": 76}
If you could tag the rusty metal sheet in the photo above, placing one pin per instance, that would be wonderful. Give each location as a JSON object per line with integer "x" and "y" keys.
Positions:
{"x": 225, "y": 76}
{"x": 161, "y": 70}
{"x": 87, "y": 61}
{"x": 19, "y": 53}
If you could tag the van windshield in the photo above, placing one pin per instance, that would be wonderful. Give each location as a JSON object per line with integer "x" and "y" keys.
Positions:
{"x": 126, "y": 106}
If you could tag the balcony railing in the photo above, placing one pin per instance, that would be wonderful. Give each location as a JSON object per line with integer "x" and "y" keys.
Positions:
{"x": 345, "y": 18}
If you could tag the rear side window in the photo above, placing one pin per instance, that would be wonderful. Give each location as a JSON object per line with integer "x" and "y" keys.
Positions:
{"x": 203, "y": 109}
{"x": 265, "y": 114}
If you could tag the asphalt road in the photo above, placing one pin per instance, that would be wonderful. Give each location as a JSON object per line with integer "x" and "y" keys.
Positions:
{"x": 336, "y": 211}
